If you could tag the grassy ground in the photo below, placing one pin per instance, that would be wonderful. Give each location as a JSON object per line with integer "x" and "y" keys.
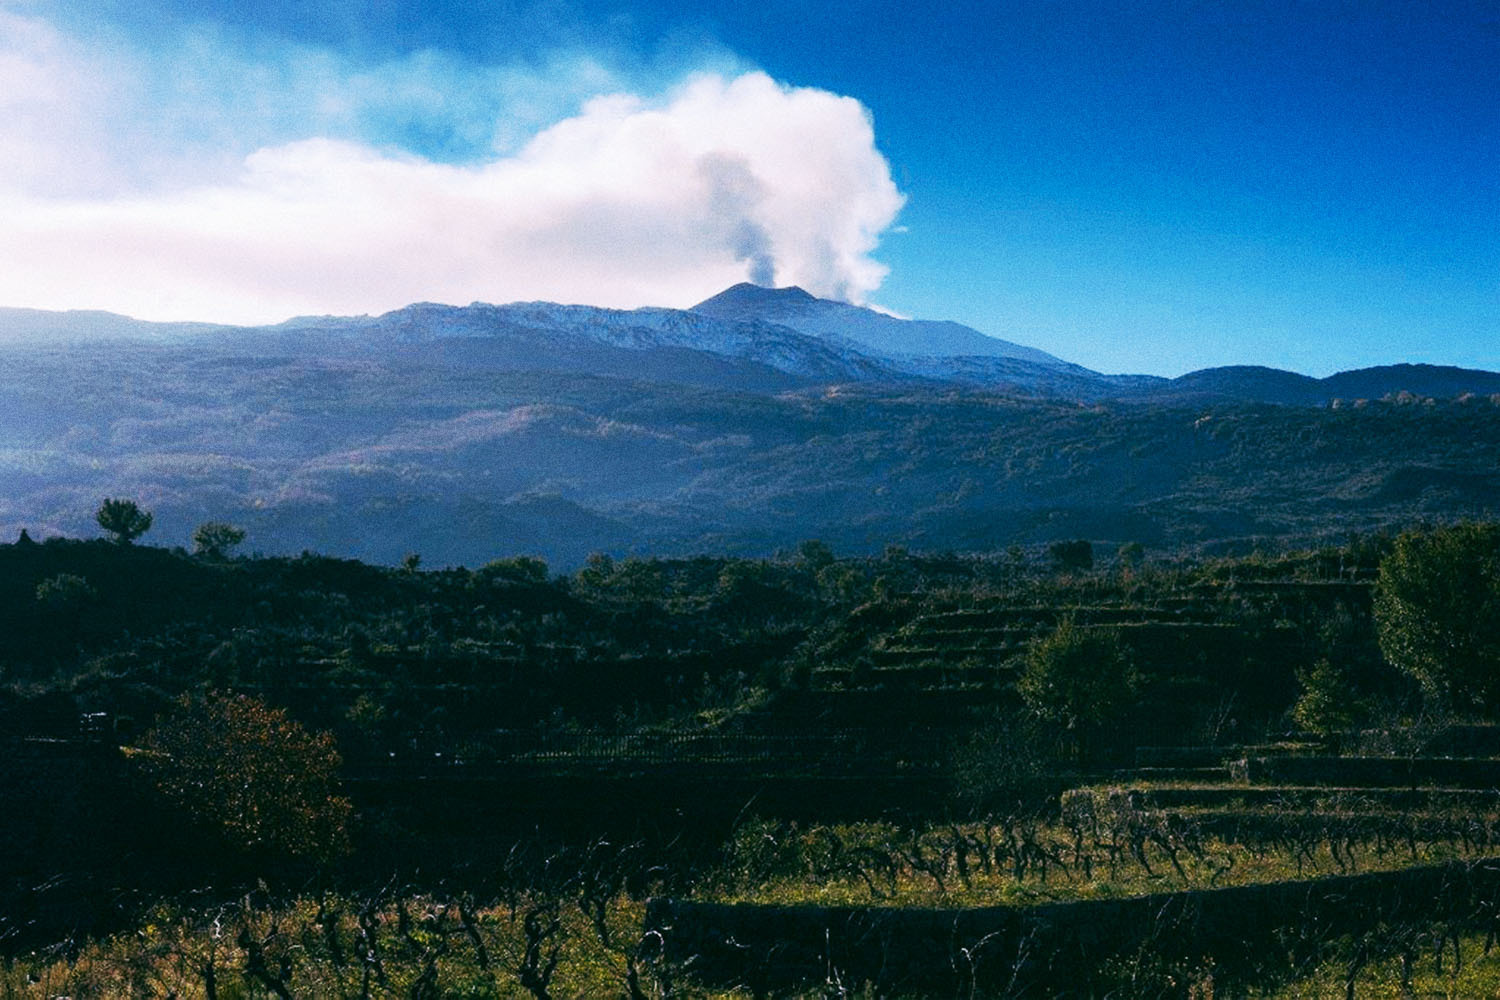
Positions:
{"x": 1469, "y": 973}
{"x": 307, "y": 954}
{"x": 1021, "y": 864}
{"x": 332, "y": 947}
{"x": 576, "y": 941}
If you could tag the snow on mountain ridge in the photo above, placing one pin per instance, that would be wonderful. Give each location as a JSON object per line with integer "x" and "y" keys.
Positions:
{"x": 739, "y": 349}
{"x": 641, "y": 329}
{"x": 877, "y": 332}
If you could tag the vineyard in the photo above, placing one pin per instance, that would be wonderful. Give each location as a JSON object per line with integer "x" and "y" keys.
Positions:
{"x": 903, "y": 776}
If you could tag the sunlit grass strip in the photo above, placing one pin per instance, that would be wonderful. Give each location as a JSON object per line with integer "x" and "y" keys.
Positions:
{"x": 1465, "y": 967}
{"x": 337, "y": 947}
{"x": 1024, "y": 864}
{"x": 1258, "y": 934}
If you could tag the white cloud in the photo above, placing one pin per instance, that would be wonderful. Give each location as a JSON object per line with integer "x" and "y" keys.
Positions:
{"x": 632, "y": 200}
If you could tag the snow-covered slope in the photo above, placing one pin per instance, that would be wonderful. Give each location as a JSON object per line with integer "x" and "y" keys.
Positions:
{"x": 746, "y": 338}
{"x": 875, "y": 332}
{"x": 554, "y": 328}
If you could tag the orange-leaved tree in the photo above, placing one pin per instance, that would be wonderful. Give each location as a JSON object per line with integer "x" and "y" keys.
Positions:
{"x": 248, "y": 770}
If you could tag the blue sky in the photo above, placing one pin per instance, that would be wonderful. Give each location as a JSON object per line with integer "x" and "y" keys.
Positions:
{"x": 1149, "y": 187}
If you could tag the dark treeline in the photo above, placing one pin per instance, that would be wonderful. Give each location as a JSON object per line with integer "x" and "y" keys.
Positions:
{"x": 383, "y": 657}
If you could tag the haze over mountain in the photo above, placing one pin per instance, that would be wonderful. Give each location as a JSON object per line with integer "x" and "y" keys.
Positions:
{"x": 745, "y": 424}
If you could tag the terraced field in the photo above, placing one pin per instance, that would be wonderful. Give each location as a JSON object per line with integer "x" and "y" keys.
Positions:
{"x": 977, "y": 643}
{"x": 1227, "y": 866}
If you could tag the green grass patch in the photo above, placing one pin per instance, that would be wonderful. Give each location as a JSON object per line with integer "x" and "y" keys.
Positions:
{"x": 1463, "y": 968}
{"x": 1022, "y": 863}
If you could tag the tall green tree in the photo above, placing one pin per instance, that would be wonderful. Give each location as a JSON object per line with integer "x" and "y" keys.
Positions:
{"x": 1437, "y": 613}
{"x": 1079, "y": 678}
{"x": 214, "y": 539}
{"x": 1075, "y": 555}
{"x": 123, "y": 519}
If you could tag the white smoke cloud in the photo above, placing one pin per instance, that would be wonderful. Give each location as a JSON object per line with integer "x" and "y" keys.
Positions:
{"x": 629, "y": 201}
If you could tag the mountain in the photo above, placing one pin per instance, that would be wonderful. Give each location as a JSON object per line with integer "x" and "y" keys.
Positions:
{"x": 1440, "y": 381}
{"x": 875, "y": 332}
{"x": 1244, "y": 383}
{"x": 559, "y": 328}
{"x": 85, "y": 325}
{"x": 660, "y": 344}
{"x": 1256, "y": 384}
{"x": 746, "y": 338}
{"x": 741, "y": 426}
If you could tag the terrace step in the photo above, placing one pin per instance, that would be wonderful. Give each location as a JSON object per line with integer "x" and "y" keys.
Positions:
{"x": 1475, "y": 740}
{"x": 947, "y": 654}
{"x": 925, "y": 676}
{"x": 1256, "y": 824}
{"x": 1369, "y": 772}
{"x": 1196, "y": 775}
{"x": 974, "y": 637}
{"x": 1300, "y": 798}
{"x": 1189, "y": 756}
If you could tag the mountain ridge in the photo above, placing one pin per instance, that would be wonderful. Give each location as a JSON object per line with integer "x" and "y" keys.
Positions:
{"x": 886, "y": 335}
{"x": 747, "y": 337}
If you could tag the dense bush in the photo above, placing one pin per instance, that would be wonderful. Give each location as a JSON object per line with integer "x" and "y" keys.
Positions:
{"x": 1079, "y": 678}
{"x": 1437, "y": 609}
{"x": 255, "y": 777}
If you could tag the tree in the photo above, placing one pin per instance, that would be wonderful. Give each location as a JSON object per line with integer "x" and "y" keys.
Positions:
{"x": 1079, "y": 678}
{"x": 1076, "y": 555}
{"x": 237, "y": 765}
{"x": 814, "y": 553}
{"x": 124, "y": 519}
{"x": 518, "y": 569}
{"x": 65, "y": 590}
{"x": 1437, "y": 613}
{"x": 214, "y": 539}
{"x": 1327, "y": 704}
{"x": 597, "y": 571}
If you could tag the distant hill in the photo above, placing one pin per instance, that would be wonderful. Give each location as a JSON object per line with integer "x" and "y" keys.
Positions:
{"x": 1440, "y": 381}
{"x": 34, "y": 326}
{"x": 424, "y": 450}
{"x": 1244, "y": 383}
{"x": 1247, "y": 383}
{"x": 740, "y": 426}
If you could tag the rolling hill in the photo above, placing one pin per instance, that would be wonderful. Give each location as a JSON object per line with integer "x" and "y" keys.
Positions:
{"x": 741, "y": 426}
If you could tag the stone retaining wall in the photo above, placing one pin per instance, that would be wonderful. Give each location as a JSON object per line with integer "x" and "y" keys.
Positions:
{"x": 1371, "y": 772}
{"x": 1244, "y": 933}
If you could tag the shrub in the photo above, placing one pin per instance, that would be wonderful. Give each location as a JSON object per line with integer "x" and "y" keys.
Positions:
{"x": 214, "y": 539}
{"x": 1076, "y": 555}
{"x": 1437, "y": 613}
{"x": 124, "y": 519}
{"x": 1080, "y": 679}
{"x": 65, "y": 590}
{"x": 237, "y": 765}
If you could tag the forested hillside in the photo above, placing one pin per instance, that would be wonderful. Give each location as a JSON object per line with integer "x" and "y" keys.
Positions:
{"x": 438, "y": 451}
{"x": 389, "y": 656}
